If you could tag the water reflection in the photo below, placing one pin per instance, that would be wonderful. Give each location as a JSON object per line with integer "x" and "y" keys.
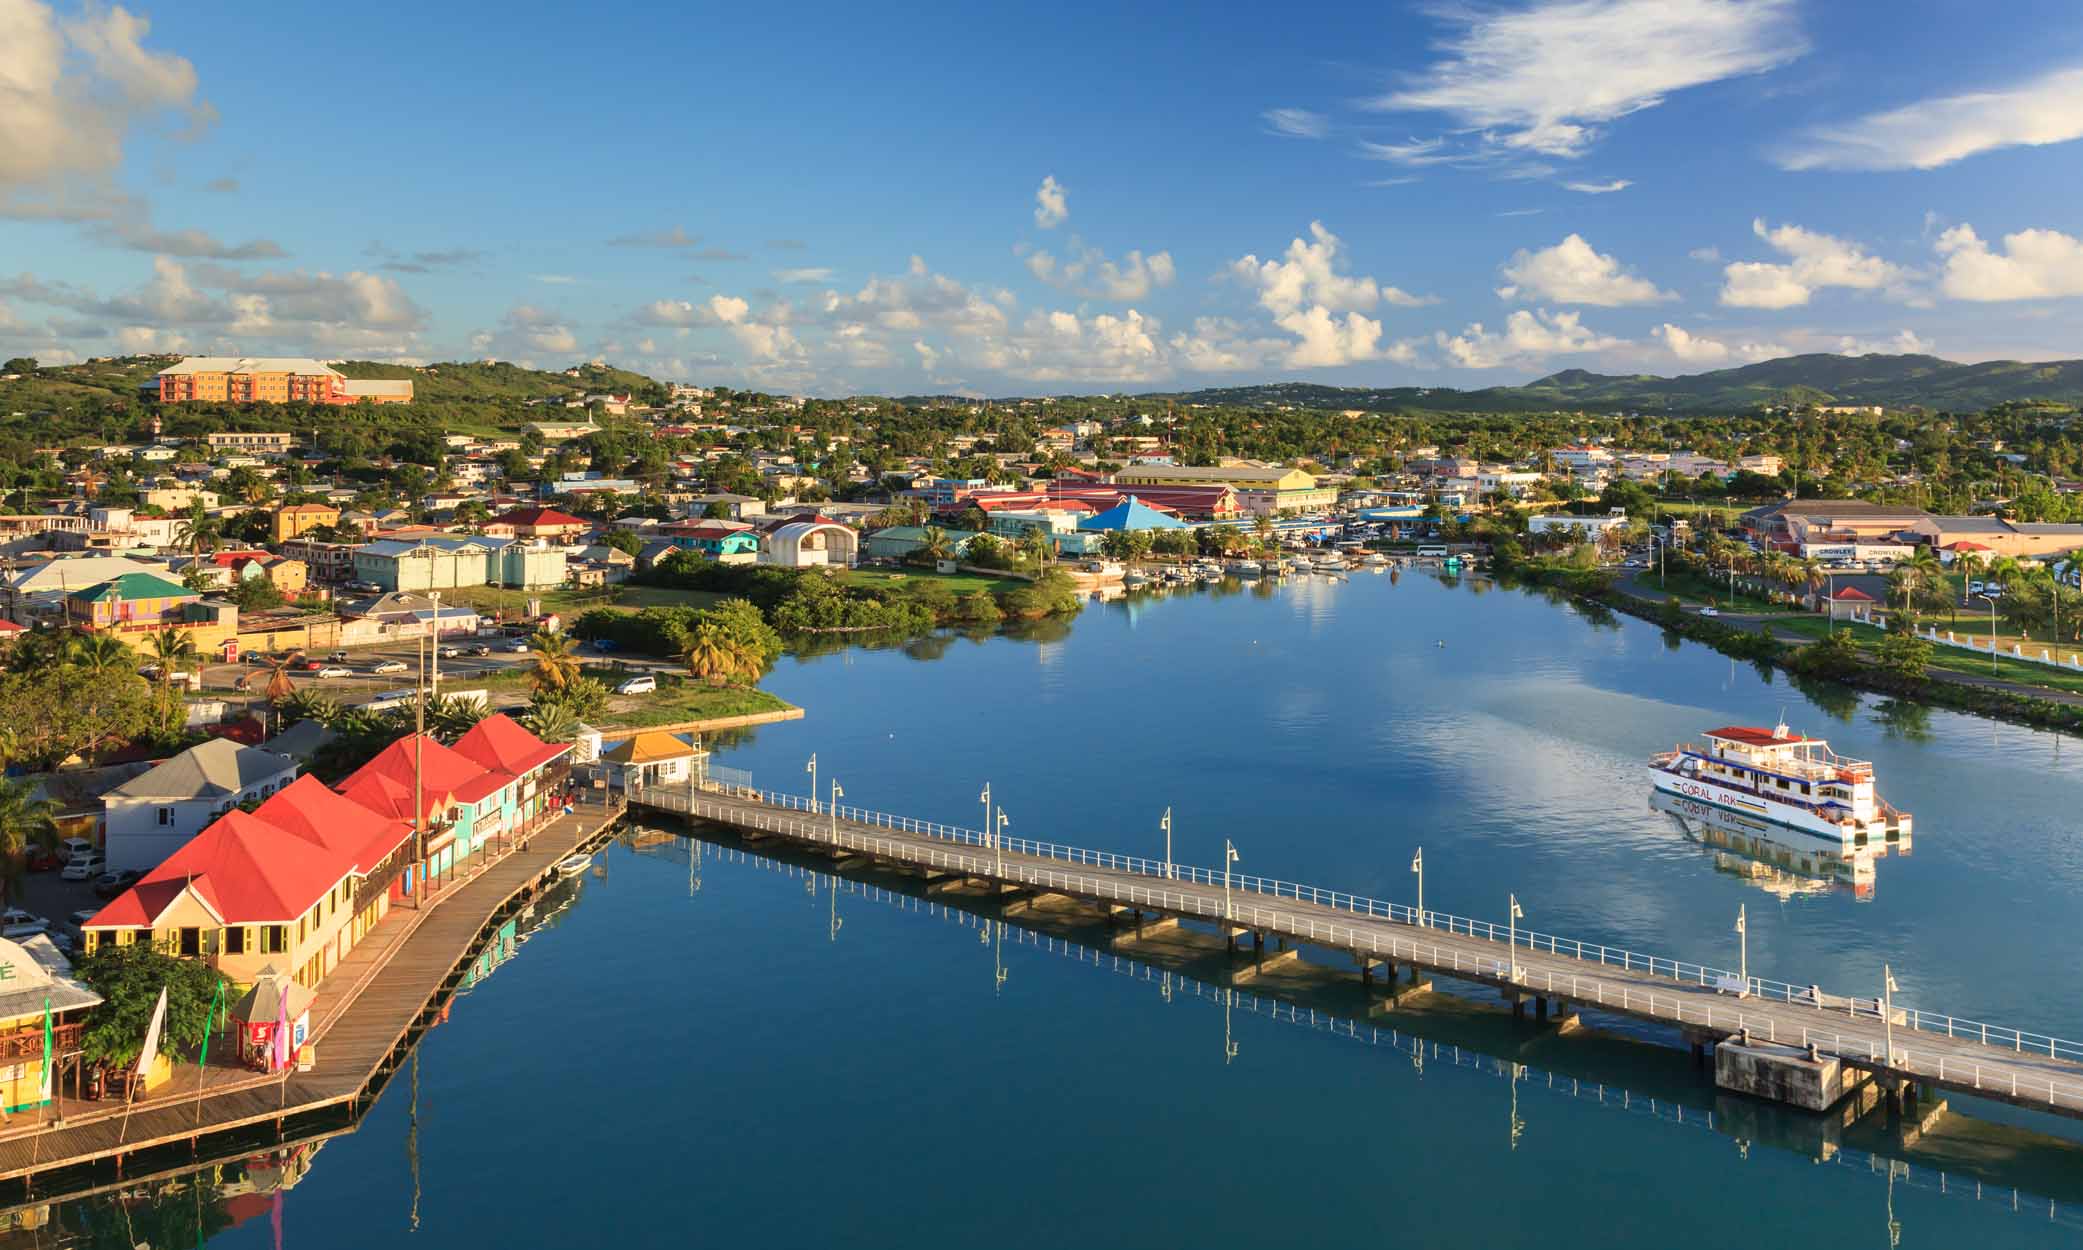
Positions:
{"x": 1780, "y": 861}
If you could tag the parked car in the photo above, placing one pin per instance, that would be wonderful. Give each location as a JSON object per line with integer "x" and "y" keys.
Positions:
{"x": 79, "y": 919}
{"x": 309, "y": 666}
{"x": 335, "y": 670}
{"x": 481, "y": 649}
{"x": 390, "y": 666}
{"x": 110, "y": 884}
{"x": 1710, "y": 610}
{"x": 452, "y": 653}
{"x": 84, "y": 866}
{"x": 16, "y": 923}
{"x": 336, "y": 657}
{"x": 518, "y": 646}
{"x": 646, "y": 684}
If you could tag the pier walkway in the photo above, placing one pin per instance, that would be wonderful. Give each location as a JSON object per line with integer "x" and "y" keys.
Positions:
{"x": 1706, "y": 1004}
{"x": 388, "y": 988}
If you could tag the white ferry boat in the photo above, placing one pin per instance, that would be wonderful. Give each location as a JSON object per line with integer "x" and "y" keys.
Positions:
{"x": 1783, "y": 777}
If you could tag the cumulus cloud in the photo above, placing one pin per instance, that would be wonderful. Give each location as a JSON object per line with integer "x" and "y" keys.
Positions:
{"x": 2033, "y": 264}
{"x": 71, "y": 92}
{"x": 1222, "y": 345}
{"x": 394, "y": 261}
{"x": 1516, "y": 79}
{"x": 1295, "y": 123}
{"x": 1695, "y": 349}
{"x": 1599, "y": 188}
{"x": 808, "y": 273}
{"x": 1815, "y": 261}
{"x": 919, "y": 300}
{"x": 1063, "y": 346}
{"x": 527, "y": 330}
{"x": 1930, "y": 133}
{"x": 1571, "y": 272}
{"x": 1905, "y": 343}
{"x": 1307, "y": 290}
{"x": 1051, "y": 203}
{"x": 1088, "y": 271}
{"x": 139, "y": 236}
{"x": 717, "y": 310}
{"x": 1528, "y": 335}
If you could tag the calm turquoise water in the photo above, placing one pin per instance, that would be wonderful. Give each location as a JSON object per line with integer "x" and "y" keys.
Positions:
{"x": 691, "y": 1054}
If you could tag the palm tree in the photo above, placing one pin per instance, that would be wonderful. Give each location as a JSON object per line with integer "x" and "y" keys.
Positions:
{"x": 99, "y": 653}
{"x": 449, "y": 716}
{"x": 199, "y": 531}
{"x": 1038, "y": 545}
{"x": 24, "y": 820}
{"x": 553, "y": 659}
{"x": 170, "y": 648}
{"x": 935, "y": 545}
{"x": 553, "y": 721}
{"x": 713, "y": 656}
{"x": 310, "y": 704}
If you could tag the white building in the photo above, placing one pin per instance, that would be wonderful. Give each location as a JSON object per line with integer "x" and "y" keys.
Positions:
{"x": 806, "y": 544}
{"x": 1588, "y": 528}
{"x": 153, "y": 814}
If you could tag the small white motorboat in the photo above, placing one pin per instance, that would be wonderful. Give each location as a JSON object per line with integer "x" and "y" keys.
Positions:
{"x": 573, "y": 865}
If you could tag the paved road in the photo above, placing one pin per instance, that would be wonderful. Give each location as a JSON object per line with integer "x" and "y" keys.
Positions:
{"x": 1583, "y": 974}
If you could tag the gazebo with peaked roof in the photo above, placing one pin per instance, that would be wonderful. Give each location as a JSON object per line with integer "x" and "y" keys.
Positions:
{"x": 262, "y": 1008}
{"x": 655, "y": 758}
{"x": 1131, "y": 514}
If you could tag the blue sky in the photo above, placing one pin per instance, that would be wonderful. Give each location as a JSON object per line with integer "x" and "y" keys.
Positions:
{"x": 1001, "y": 199}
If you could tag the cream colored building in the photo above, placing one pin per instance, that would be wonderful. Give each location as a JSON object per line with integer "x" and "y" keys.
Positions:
{"x": 1267, "y": 490}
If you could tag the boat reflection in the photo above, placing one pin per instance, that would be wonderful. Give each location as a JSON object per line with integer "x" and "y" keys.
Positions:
{"x": 1781, "y": 861}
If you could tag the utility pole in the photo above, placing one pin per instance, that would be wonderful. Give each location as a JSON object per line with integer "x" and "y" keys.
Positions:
{"x": 1743, "y": 946}
{"x": 1417, "y": 865}
{"x": 1166, "y": 825}
{"x": 419, "y": 796}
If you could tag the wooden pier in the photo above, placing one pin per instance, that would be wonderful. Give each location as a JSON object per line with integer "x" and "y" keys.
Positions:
{"x": 368, "y": 1013}
{"x": 1904, "y": 1052}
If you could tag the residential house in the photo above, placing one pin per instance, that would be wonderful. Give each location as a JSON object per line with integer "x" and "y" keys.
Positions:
{"x": 131, "y": 600}
{"x": 150, "y": 816}
{"x": 450, "y": 561}
{"x": 293, "y": 520}
{"x": 538, "y": 523}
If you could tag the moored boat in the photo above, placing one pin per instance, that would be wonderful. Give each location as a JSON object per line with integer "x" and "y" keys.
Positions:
{"x": 1784, "y": 777}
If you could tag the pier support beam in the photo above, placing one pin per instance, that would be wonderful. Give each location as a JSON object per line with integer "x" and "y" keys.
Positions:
{"x": 1787, "y": 1074}
{"x": 1145, "y": 929}
{"x": 1252, "y": 970}
{"x": 1019, "y": 906}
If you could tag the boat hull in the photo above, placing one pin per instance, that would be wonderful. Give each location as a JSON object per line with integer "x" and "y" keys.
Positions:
{"x": 1785, "y": 815}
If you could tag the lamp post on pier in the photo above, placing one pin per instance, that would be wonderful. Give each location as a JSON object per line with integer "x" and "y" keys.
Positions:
{"x": 985, "y": 799}
{"x": 837, "y": 794}
{"x": 1512, "y": 938}
{"x": 998, "y": 842}
{"x": 1887, "y": 1009}
{"x": 1417, "y": 865}
{"x": 811, "y": 768}
{"x": 1743, "y": 946}
{"x": 1166, "y": 825}
{"x": 1229, "y": 856}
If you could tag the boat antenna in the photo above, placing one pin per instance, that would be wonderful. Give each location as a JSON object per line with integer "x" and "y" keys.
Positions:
{"x": 1779, "y": 730}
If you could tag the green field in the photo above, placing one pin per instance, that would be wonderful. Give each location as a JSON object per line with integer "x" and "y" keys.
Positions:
{"x": 960, "y": 583}
{"x": 1949, "y": 659}
{"x": 684, "y": 699}
{"x": 567, "y": 602}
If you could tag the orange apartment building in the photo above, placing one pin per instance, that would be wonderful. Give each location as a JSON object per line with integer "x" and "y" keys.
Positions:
{"x": 272, "y": 380}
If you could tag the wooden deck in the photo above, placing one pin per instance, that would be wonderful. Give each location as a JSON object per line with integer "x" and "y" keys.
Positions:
{"x": 389, "y": 988}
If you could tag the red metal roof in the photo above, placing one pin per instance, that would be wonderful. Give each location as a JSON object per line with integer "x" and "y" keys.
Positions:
{"x": 241, "y": 867}
{"x": 384, "y": 785}
{"x": 538, "y": 516}
{"x": 306, "y": 807}
{"x": 499, "y": 743}
{"x": 1855, "y": 594}
{"x": 1753, "y": 737}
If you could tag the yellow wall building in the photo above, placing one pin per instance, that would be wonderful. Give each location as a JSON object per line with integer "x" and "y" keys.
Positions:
{"x": 1264, "y": 489}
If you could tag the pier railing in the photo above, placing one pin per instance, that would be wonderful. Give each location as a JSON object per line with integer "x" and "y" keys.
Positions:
{"x": 1249, "y": 911}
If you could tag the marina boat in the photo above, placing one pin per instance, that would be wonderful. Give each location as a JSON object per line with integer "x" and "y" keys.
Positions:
{"x": 1134, "y": 579}
{"x": 1244, "y": 568}
{"x": 1785, "y": 778}
{"x": 1375, "y": 560}
{"x": 573, "y": 865}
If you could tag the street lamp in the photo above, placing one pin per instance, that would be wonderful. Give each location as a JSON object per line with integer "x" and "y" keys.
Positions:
{"x": 1417, "y": 865}
{"x": 1992, "y": 631}
{"x": 1512, "y": 936}
{"x": 1743, "y": 948}
{"x": 998, "y": 842}
{"x": 1166, "y": 825}
{"x": 1229, "y": 853}
{"x": 985, "y": 799}
{"x": 1887, "y": 1009}
{"x": 811, "y": 768}
{"x": 837, "y": 794}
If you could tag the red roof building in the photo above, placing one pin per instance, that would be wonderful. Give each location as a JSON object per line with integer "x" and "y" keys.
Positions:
{"x": 537, "y": 523}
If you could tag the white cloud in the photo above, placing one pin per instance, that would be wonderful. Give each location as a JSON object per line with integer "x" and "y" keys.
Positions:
{"x": 1599, "y": 188}
{"x": 1062, "y": 347}
{"x": 1935, "y": 132}
{"x": 807, "y": 273}
{"x": 1815, "y": 261}
{"x": 717, "y": 310}
{"x": 1412, "y": 151}
{"x": 1221, "y": 345}
{"x": 1694, "y": 349}
{"x": 920, "y": 300}
{"x": 1528, "y": 335}
{"x": 139, "y": 236}
{"x": 673, "y": 237}
{"x": 1310, "y": 275}
{"x": 2034, "y": 264}
{"x": 70, "y": 93}
{"x": 1709, "y": 255}
{"x": 1542, "y": 79}
{"x": 1295, "y": 123}
{"x": 929, "y": 356}
{"x": 1572, "y": 273}
{"x": 1905, "y": 343}
{"x": 1088, "y": 271}
{"x": 1051, "y": 203}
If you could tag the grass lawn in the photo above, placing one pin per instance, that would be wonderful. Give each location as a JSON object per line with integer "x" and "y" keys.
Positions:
{"x": 1720, "y": 514}
{"x": 1694, "y": 588}
{"x": 960, "y": 583}
{"x": 1951, "y": 659}
{"x": 686, "y": 699}
{"x": 570, "y": 602}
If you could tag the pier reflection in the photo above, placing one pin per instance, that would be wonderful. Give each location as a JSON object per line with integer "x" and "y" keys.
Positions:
{"x": 1780, "y": 861}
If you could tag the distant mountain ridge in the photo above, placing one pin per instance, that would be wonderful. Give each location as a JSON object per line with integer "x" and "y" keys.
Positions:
{"x": 1891, "y": 381}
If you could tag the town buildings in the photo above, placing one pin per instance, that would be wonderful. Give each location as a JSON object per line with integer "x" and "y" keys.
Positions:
{"x": 450, "y": 561}
{"x": 151, "y": 816}
{"x": 271, "y": 380}
{"x": 1264, "y": 490}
